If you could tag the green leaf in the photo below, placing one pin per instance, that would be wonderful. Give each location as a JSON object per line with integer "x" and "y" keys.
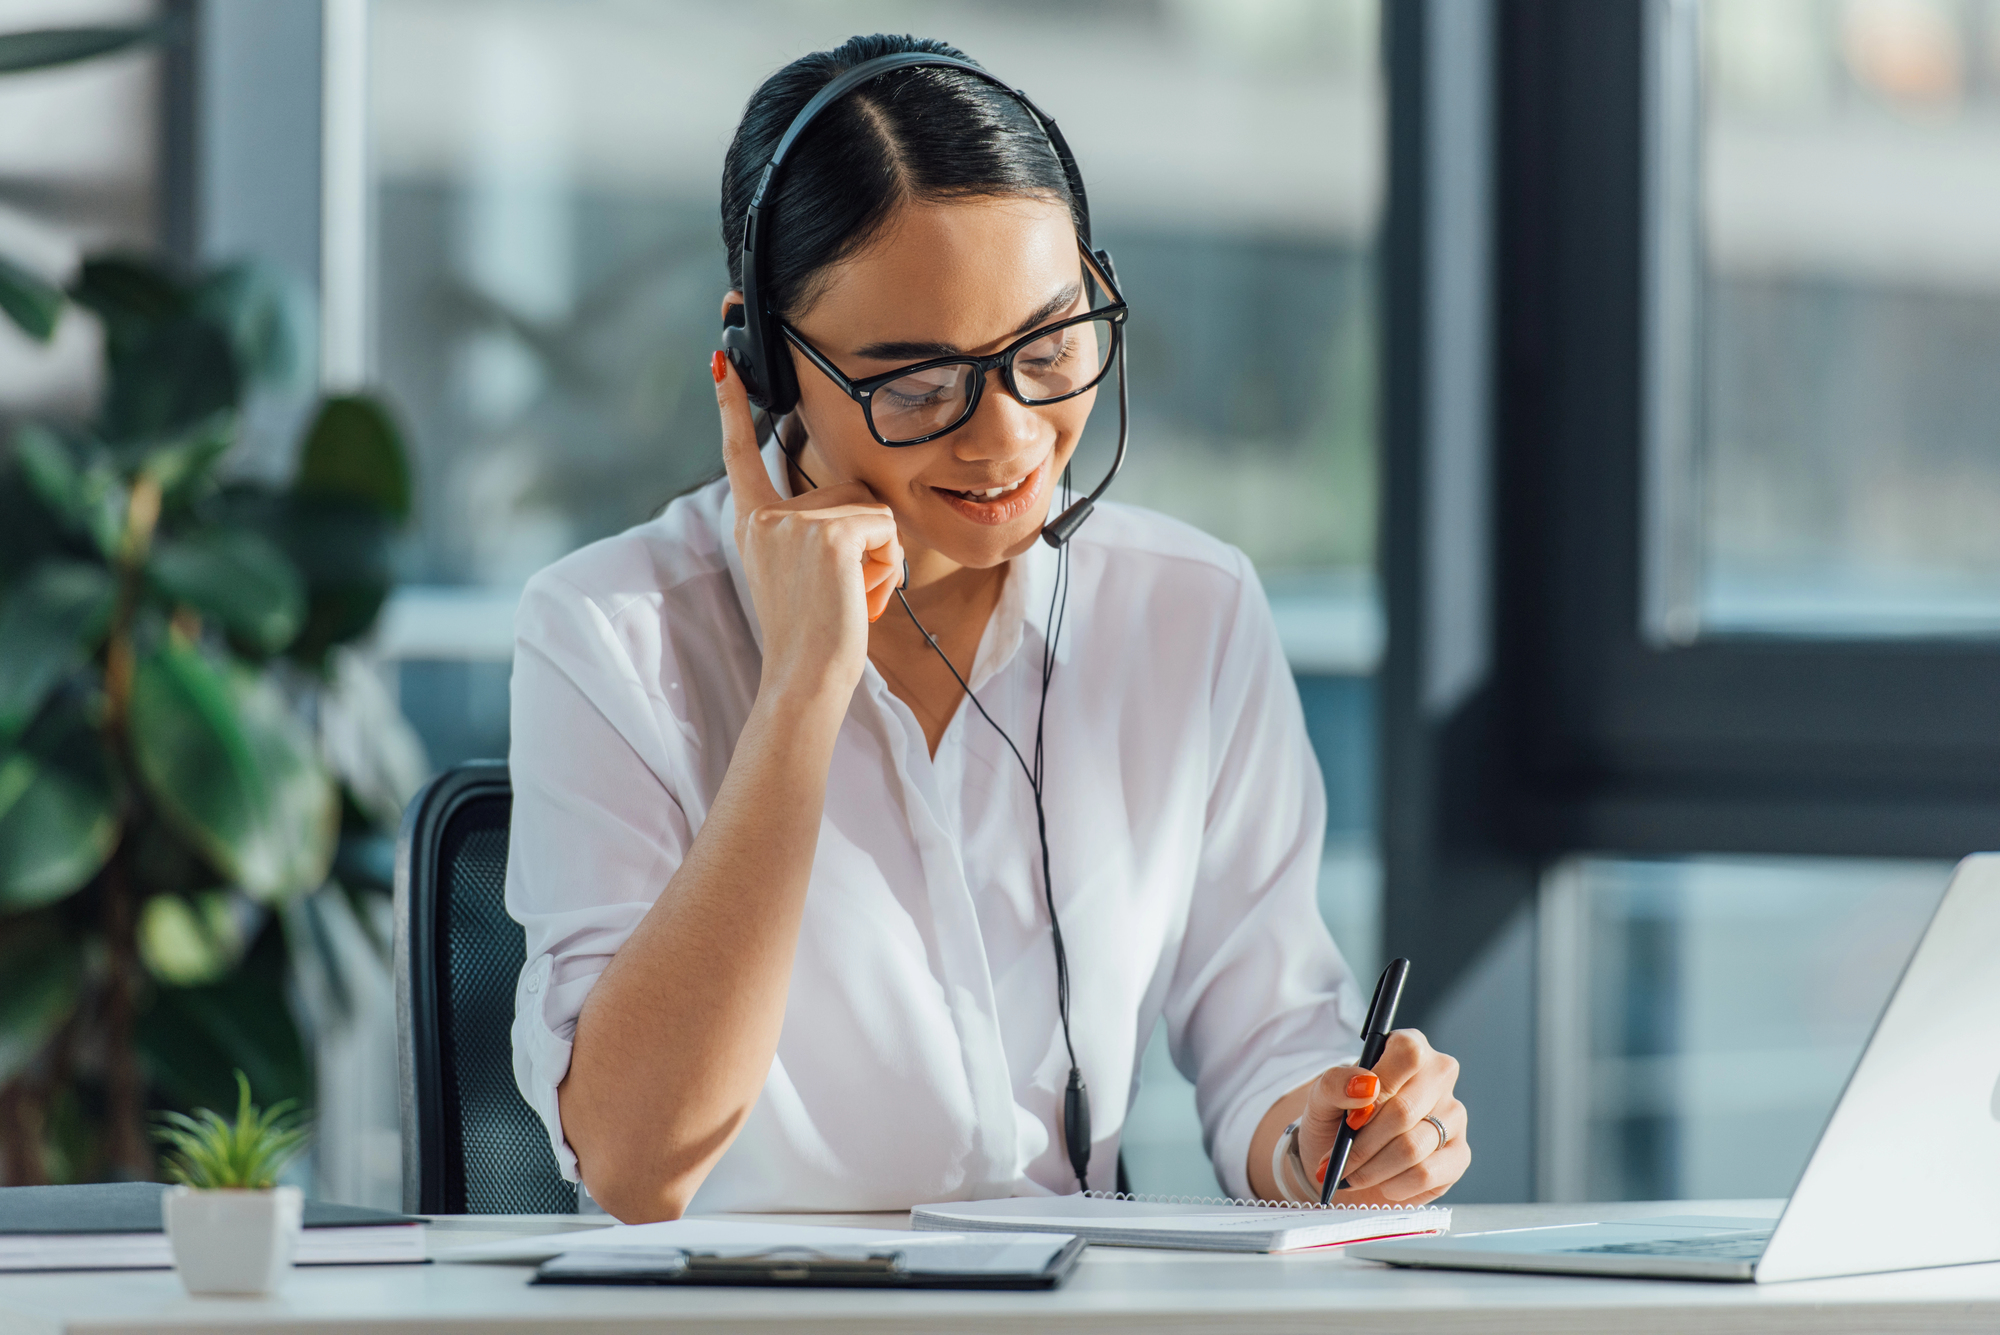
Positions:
{"x": 49, "y": 625}
{"x": 28, "y": 531}
{"x": 59, "y": 812}
{"x": 38, "y": 50}
{"x": 355, "y": 453}
{"x": 265, "y": 316}
{"x": 29, "y": 302}
{"x": 181, "y": 465}
{"x": 168, "y": 365}
{"x": 343, "y": 551}
{"x": 210, "y": 1153}
{"x": 51, "y": 469}
{"x": 188, "y": 941}
{"x": 230, "y": 768}
{"x": 41, "y": 977}
{"x": 238, "y": 578}
{"x": 341, "y": 547}
{"x": 164, "y": 862}
{"x": 87, "y": 495}
{"x": 127, "y": 291}
{"x": 168, "y": 376}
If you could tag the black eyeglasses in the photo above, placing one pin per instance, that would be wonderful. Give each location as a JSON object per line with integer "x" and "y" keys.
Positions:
{"x": 929, "y": 399}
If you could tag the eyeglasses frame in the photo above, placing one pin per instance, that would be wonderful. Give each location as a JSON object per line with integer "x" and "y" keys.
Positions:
{"x": 862, "y": 391}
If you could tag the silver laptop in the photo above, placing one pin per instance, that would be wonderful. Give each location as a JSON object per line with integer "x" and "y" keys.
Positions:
{"x": 1906, "y": 1172}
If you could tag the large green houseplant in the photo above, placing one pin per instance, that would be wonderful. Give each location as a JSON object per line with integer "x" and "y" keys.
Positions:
{"x": 165, "y": 634}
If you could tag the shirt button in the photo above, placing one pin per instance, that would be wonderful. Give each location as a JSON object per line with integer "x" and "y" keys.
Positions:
{"x": 534, "y": 986}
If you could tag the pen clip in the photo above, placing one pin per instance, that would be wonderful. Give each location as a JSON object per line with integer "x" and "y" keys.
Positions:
{"x": 1388, "y": 995}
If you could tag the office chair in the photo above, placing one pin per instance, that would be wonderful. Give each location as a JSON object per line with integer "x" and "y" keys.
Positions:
{"x": 470, "y": 1144}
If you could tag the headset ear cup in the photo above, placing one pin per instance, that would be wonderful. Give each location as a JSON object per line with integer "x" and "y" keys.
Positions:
{"x": 736, "y": 347}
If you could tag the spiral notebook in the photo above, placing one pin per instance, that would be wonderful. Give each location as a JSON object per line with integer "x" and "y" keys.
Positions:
{"x": 1193, "y": 1223}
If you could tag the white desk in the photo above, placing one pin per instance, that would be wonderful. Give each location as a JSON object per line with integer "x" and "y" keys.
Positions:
{"x": 1114, "y": 1289}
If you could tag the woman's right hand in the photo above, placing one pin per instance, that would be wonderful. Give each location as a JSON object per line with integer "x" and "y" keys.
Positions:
{"x": 820, "y": 566}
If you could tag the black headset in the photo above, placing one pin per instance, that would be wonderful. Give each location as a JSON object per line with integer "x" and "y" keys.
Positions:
{"x": 756, "y": 347}
{"x": 752, "y": 338}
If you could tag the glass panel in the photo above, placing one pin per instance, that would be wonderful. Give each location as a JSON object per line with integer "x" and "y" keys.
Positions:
{"x": 549, "y": 272}
{"x": 1851, "y": 216}
{"x": 78, "y": 150}
{"x": 548, "y": 262}
{"x": 1722, "y": 1004}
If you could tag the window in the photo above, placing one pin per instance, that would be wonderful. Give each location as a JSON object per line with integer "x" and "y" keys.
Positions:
{"x": 548, "y": 274}
{"x": 1701, "y": 1015}
{"x": 1817, "y": 467}
{"x": 1844, "y": 224}
{"x": 1728, "y": 652}
{"x": 77, "y": 143}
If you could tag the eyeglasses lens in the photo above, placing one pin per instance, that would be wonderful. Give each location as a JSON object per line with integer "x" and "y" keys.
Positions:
{"x": 1055, "y": 366}
{"x": 921, "y": 403}
{"x": 1063, "y": 361}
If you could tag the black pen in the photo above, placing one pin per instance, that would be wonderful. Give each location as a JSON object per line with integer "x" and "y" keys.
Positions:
{"x": 1374, "y": 1037}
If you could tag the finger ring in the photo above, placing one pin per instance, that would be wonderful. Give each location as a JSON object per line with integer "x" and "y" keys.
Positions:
{"x": 1444, "y": 1136}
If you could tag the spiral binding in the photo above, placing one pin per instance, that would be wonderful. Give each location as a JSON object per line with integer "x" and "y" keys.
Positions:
{"x": 1146, "y": 1199}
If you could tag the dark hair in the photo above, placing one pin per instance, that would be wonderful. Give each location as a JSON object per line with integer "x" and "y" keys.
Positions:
{"x": 925, "y": 134}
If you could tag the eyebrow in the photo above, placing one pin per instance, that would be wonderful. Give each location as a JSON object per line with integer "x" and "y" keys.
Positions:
{"x": 911, "y": 351}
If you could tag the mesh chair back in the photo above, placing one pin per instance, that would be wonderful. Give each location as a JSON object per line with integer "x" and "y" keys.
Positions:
{"x": 470, "y": 1144}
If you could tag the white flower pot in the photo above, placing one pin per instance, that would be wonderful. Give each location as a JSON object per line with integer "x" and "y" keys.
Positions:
{"x": 233, "y": 1241}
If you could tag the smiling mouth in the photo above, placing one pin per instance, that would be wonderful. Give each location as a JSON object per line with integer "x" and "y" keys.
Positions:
{"x": 988, "y": 493}
{"x": 1002, "y": 504}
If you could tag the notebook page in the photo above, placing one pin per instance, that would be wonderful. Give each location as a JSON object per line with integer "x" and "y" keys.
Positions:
{"x": 1204, "y": 1225}
{"x": 1164, "y": 1215}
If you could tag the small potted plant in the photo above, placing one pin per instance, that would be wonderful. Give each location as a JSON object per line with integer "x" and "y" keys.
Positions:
{"x": 232, "y": 1228}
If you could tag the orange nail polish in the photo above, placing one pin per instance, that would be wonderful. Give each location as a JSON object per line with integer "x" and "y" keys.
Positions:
{"x": 718, "y": 365}
{"x": 1360, "y": 1117}
{"x": 1363, "y": 1086}
{"x": 1319, "y": 1173}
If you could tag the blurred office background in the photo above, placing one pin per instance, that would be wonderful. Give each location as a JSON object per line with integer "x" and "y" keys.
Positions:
{"x": 546, "y": 273}
{"x": 508, "y": 212}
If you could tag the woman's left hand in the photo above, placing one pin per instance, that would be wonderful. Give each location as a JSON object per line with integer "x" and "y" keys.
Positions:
{"x": 1396, "y": 1158}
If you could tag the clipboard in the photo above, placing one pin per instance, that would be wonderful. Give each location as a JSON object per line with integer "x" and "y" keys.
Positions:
{"x": 1023, "y": 1261}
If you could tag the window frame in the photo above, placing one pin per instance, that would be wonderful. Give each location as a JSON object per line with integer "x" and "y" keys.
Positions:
{"x": 1629, "y": 742}
{"x": 1587, "y": 730}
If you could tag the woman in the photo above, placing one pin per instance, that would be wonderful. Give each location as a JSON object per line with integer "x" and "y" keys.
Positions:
{"x": 789, "y": 923}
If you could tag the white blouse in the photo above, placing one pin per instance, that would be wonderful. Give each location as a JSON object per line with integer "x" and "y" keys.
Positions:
{"x": 921, "y": 1058}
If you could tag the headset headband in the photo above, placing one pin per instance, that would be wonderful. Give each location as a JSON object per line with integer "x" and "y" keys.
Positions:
{"x": 767, "y": 375}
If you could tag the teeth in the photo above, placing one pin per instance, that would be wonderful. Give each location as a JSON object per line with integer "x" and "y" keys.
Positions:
{"x": 996, "y": 491}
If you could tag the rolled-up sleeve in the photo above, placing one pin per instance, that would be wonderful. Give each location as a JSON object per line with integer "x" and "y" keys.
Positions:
{"x": 597, "y": 831}
{"x": 1261, "y": 1000}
